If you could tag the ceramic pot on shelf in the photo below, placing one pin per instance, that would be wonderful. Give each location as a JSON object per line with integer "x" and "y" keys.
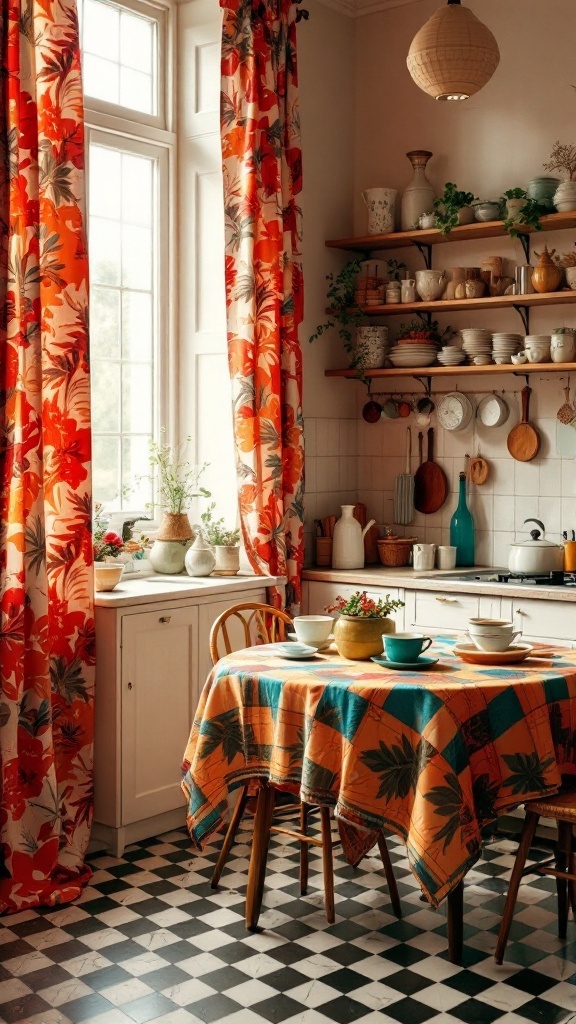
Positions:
{"x": 562, "y": 347}
{"x": 430, "y": 284}
{"x": 227, "y": 559}
{"x": 359, "y": 638}
{"x": 546, "y": 276}
{"x": 371, "y": 344}
{"x": 381, "y": 206}
{"x": 199, "y": 558}
{"x": 418, "y": 197}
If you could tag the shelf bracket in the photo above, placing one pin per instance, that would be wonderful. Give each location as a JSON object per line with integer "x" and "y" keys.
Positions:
{"x": 524, "y": 314}
{"x": 525, "y": 242}
{"x": 426, "y": 383}
{"x": 424, "y": 314}
{"x": 425, "y": 251}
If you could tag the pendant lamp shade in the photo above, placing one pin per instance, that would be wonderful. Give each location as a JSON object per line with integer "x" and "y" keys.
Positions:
{"x": 453, "y": 55}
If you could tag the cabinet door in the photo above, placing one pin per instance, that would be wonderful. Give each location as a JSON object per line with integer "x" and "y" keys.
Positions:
{"x": 158, "y": 667}
{"x": 543, "y": 620}
{"x": 322, "y": 595}
{"x": 446, "y": 612}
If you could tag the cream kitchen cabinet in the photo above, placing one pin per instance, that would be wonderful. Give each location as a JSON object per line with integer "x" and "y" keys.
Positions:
{"x": 152, "y": 660}
{"x": 543, "y": 620}
{"x": 434, "y": 612}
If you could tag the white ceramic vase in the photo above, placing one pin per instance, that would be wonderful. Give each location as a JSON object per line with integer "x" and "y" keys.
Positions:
{"x": 371, "y": 345}
{"x": 199, "y": 558}
{"x": 167, "y": 556}
{"x": 381, "y": 206}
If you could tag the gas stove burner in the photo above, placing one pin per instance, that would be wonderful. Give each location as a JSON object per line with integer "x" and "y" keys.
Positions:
{"x": 545, "y": 579}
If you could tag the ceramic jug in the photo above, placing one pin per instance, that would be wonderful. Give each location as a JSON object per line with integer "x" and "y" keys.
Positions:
{"x": 430, "y": 284}
{"x": 423, "y": 556}
{"x": 546, "y": 276}
{"x": 408, "y": 290}
{"x": 348, "y": 541}
{"x": 381, "y": 204}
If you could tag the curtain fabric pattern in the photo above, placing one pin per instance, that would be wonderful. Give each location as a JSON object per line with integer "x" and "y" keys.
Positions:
{"x": 261, "y": 155}
{"x": 46, "y": 613}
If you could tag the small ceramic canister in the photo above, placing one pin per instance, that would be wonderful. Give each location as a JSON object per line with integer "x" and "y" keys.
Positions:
{"x": 408, "y": 290}
{"x": 393, "y": 291}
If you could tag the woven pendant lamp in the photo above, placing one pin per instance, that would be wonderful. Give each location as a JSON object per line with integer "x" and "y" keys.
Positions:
{"x": 453, "y": 55}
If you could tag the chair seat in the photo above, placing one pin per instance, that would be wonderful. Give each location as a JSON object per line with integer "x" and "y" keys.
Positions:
{"x": 562, "y": 806}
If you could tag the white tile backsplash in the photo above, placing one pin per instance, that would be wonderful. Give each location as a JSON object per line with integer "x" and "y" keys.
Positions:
{"x": 349, "y": 460}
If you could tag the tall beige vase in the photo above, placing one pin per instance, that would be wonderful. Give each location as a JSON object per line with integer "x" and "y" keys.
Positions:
{"x": 419, "y": 195}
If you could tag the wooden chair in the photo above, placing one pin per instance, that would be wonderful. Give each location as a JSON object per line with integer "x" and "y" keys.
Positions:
{"x": 261, "y": 623}
{"x": 562, "y": 807}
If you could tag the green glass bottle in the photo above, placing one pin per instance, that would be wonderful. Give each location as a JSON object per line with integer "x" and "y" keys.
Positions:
{"x": 462, "y": 528}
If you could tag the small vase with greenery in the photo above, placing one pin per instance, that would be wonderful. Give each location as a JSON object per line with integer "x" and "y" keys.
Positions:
{"x": 447, "y": 207}
{"x": 225, "y": 542}
{"x": 345, "y": 315}
{"x": 177, "y": 484}
{"x": 521, "y": 210}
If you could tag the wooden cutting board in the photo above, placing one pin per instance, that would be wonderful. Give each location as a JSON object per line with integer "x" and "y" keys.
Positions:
{"x": 430, "y": 483}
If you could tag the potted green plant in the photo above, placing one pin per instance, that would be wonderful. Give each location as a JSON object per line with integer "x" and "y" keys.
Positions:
{"x": 453, "y": 207}
{"x": 177, "y": 484}
{"x": 346, "y": 316}
{"x": 417, "y": 330}
{"x": 224, "y": 542}
{"x": 360, "y": 624}
{"x": 521, "y": 210}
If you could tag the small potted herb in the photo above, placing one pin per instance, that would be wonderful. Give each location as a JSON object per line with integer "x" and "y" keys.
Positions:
{"x": 177, "y": 484}
{"x": 346, "y": 316}
{"x": 224, "y": 542}
{"x": 453, "y": 207}
{"x": 521, "y": 210}
{"x": 417, "y": 330}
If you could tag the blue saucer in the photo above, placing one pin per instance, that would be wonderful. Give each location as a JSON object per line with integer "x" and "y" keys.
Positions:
{"x": 422, "y": 662}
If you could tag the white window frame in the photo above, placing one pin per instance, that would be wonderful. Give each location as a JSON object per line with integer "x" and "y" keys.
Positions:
{"x": 154, "y": 137}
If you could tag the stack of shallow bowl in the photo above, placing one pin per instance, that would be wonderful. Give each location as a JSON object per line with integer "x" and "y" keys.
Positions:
{"x": 477, "y": 344}
{"x": 565, "y": 196}
{"x": 537, "y": 347}
{"x": 504, "y": 346}
{"x": 451, "y": 356}
{"x": 543, "y": 189}
{"x": 413, "y": 354}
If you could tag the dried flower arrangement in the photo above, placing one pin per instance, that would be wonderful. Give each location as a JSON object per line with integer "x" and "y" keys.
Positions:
{"x": 563, "y": 159}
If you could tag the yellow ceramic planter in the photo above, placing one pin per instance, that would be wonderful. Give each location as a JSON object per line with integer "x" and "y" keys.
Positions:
{"x": 360, "y": 638}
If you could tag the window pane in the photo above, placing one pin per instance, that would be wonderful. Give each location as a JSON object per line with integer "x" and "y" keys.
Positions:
{"x": 120, "y": 56}
{"x": 106, "y": 462}
{"x": 136, "y": 472}
{"x": 137, "y": 190}
{"x": 105, "y": 382}
{"x": 104, "y": 247}
{"x": 137, "y": 325}
{"x": 104, "y": 168}
{"x": 136, "y": 257}
{"x": 137, "y": 398}
{"x": 105, "y": 322}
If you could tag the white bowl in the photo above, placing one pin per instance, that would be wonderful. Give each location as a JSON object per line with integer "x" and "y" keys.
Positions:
{"x": 107, "y": 575}
{"x": 495, "y": 642}
{"x": 313, "y": 629}
{"x": 482, "y": 360}
{"x": 483, "y": 625}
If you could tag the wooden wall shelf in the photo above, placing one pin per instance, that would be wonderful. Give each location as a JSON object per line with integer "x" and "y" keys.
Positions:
{"x": 565, "y": 297}
{"x": 464, "y": 370}
{"x": 465, "y": 233}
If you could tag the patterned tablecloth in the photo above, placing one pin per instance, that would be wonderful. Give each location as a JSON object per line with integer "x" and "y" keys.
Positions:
{"x": 431, "y": 755}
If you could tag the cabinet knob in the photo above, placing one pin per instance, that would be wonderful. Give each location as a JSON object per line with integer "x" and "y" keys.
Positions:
{"x": 129, "y": 686}
{"x": 447, "y": 600}
{"x": 520, "y": 612}
{"x": 164, "y": 618}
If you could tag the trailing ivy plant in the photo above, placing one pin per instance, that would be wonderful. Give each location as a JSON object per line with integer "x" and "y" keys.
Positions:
{"x": 448, "y": 206}
{"x": 528, "y": 215}
{"x": 345, "y": 315}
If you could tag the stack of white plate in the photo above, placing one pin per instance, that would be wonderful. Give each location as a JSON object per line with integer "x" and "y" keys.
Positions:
{"x": 477, "y": 344}
{"x": 412, "y": 355}
{"x": 504, "y": 346}
{"x": 451, "y": 356}
{"x": 565, "y": 196}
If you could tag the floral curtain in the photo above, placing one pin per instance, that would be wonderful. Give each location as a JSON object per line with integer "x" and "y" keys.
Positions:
{"x": 262, "y": 178}
{"x": 46, "y": 614}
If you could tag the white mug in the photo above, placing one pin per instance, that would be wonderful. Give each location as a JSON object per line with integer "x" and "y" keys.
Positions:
{"x": 446, "y": 557}
{"x": 408, "y": 290}
{"x": 423, "y": 556}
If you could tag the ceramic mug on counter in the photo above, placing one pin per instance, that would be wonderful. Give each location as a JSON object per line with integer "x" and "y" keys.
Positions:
{"x": 446, "y": 557}
{"x": 423, "y": 556}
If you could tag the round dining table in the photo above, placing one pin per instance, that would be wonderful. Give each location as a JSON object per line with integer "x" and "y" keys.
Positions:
{"x": 434, "y": 754}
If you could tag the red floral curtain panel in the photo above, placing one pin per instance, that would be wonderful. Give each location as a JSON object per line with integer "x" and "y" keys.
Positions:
{"x": 262, "y": 178}
{"x": 46, "y": 614}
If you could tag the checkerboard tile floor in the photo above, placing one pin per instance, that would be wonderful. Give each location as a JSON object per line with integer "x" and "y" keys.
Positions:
{"x": 149, "y": 941}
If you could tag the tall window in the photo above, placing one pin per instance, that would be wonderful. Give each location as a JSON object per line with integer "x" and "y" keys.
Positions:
{"x": 129, "y": 150}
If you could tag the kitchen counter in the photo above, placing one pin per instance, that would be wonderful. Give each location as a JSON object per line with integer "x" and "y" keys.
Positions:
{"x": 381, "y": 576}
{"x": 156, "y": 587}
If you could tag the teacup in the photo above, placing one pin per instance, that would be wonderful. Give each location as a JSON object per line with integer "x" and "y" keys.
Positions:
{"x": 313, "y": 629}
{"x": 484, "y": 625}
{"x": 493, "y": 641}
{"x": 405, "y": 647}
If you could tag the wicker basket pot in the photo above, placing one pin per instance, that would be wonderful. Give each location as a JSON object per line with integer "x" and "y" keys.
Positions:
{"x": 397, "y": 551}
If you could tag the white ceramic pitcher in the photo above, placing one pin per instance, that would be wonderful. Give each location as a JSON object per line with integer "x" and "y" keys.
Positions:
{"x": 348, "y": 541}
{"x": 423, "y": 556}
{"x": 381, "y": 204}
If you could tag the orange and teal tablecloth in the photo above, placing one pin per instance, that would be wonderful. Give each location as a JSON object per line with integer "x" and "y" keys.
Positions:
{"x": 433, "y": 756}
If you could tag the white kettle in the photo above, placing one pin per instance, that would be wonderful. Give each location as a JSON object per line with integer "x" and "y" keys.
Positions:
{"x": 348, "y": 541}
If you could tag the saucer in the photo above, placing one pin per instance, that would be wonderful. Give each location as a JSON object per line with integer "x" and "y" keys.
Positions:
{"x": 322, "y": 646}
{"x": 471, "y": 654}
{"x": 422, "y": 662}
{"x": 295, "y": 651}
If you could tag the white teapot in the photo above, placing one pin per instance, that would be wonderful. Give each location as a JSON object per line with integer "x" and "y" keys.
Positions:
{"x": 430, "y": 284}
